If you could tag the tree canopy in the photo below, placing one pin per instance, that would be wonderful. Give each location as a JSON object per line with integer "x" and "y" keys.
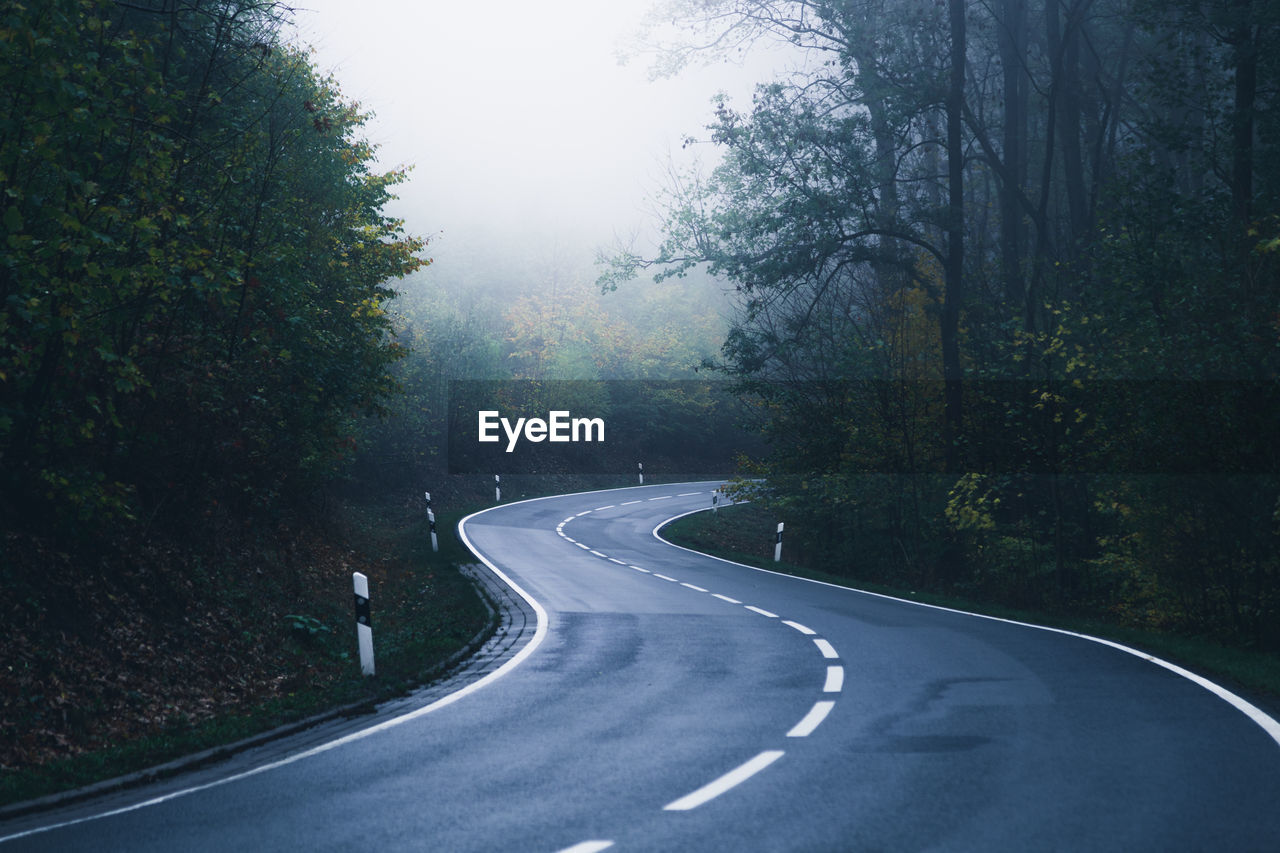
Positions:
{"x": 1008, "y": 285}
{"x": 194, "y": 262}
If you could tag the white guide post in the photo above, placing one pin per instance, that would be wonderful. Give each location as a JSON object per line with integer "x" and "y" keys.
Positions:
{"x": 777, "y": 545}
{"x": 497, "y": 490}
{"x": 431, "y": 523}
{"x": 640, "y": 468}
{"x": 364, "y": 631}
{"x": 715, "y": 501}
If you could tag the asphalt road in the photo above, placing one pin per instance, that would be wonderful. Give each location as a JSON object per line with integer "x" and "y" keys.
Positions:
{"x": 658, "y": 699}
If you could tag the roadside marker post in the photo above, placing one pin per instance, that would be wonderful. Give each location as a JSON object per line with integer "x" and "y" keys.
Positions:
{"x": 715, "y": 501}
{"x": 497, "y": 490}
{"x": 364, "y": 630}
{"x": 431, "y": 523}
{"x": 777, "y": 545}
{"x": 640, "y": 468}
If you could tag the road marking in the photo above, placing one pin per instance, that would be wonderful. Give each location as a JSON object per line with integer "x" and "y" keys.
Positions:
{"x": 583, "y": 547}
{"x": 692, "y": 587}
{"x": 725, "y": 598}
{"x": 1266, "y": 722}
{"x": 665, "y": 578}
{"x": 570, "y": 539}
{"x": 584, "y": 512}
{"x": 825, "y": 648}
{"x": 835, "y": 680}
{"x": 687, "y": 494}
{"x": 729, "y": 780}
{"x": 588, "y": 847}
{"x": 629, "y": 503}
{"x": 638, "y": 569}
{"x": 802, "y": 629}
{"x": 762, "y": 612}
{"x": 813, "y": 719}
{"x": 597, "y": 553}
{"x": 597, "y": 509}
{"x": 616, "y": 560}
{"x": 663, "y": 498}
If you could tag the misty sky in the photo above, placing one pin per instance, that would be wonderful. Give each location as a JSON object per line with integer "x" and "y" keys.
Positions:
{"x": 517, "y": 117}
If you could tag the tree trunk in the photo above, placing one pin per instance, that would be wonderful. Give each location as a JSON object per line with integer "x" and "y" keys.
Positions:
{"x": 953, "y": 402}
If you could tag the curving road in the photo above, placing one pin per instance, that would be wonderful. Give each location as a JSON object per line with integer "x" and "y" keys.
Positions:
{"x": 659, "y": 699}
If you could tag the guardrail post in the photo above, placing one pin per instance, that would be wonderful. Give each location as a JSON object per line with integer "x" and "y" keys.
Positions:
{"x": 364, "y": 630}
{"x": 431, "y": 523}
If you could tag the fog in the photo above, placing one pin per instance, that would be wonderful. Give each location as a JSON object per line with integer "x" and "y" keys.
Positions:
{"x": 522, "y": 128}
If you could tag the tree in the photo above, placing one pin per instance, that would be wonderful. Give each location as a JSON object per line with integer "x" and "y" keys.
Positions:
{"x": 194, "y": 263}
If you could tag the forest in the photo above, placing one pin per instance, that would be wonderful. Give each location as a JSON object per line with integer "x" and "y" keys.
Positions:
{"x": 977, "y": 297}
{"x": 1007, "y": 290}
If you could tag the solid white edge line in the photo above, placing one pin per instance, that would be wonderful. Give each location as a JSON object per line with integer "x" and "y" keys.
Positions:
{"x": 761, "y": 611}
{"x": 588, "y": 847}
{"x": 807, "y": 631}
{"x": 1266, "y": 722}
{"x": 835, "y": 680}
{"x": 828, "y": 651}
{"x": 813, "y": 719}
{"x": 539, "y": 634}
{"x": 729, "y": 780}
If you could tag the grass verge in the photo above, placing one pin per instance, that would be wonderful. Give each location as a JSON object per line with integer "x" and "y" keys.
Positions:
{"x": 423, "y": 612}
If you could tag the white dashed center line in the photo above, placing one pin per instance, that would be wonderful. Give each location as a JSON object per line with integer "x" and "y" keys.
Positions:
{"x": 813, "y": 719}
{"x": 729, "y": 780}
{"x": 826, "y": 649}
{"x": 588, "y": 847}
{"x": 834, "y": 683}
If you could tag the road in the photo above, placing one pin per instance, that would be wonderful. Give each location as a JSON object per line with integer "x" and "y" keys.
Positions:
{"x": 659, "y": 699}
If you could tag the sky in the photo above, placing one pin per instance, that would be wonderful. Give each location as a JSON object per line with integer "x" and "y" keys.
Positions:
{"x": 516, "y": 116}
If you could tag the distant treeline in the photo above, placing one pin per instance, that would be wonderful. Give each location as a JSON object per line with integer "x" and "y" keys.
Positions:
{"x": 1009, "y": 295}
{"x": 192, "y": 265}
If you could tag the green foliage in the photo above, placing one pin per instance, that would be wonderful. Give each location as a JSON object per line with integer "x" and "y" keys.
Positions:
{"x": 191, "y": 278}
{"x": 1120, "y": 315}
